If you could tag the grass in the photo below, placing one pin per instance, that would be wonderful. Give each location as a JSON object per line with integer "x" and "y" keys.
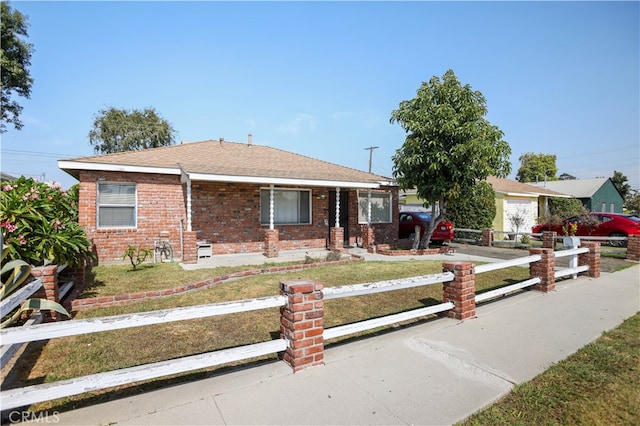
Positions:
{"x": 598, "y": 385}
{"x": 76, "y": 356}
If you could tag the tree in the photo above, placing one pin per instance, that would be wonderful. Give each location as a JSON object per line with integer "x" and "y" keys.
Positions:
{"x": 566, "y": 176}
{"x": 474, "y": 207}
{"x": 537, "y": 167}
{"x": 119, "y": 130}
{"x": 619, "y": 181}
{"x": 15, "y": 59}
{"x": 449, "y": 145}
{"x": 632, "y": 202}
{"x": 561, "y": 209}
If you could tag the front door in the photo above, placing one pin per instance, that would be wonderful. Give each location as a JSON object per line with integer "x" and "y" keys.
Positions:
{"x": 344, "y": 214}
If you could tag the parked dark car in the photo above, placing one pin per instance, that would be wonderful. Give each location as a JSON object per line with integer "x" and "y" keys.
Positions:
{"x": 408, "y": 221}
{"x": 606, "y": 225}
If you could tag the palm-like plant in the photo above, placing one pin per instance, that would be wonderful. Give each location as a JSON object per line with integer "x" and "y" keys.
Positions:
{"x": 14, "y": 273}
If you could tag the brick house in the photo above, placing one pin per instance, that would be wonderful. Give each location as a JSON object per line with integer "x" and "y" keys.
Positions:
{"x": 228, "y": 197}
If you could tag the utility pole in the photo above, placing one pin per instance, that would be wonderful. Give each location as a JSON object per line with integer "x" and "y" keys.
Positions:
{"x": 371, "y": 148}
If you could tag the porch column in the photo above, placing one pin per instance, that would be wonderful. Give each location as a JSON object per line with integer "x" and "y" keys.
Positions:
{"x": 338, "y": 207}
{"x": 271, "y": 203}
{"x": 369, "y": 208}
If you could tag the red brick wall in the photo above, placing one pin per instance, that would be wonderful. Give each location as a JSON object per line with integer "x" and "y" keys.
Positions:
{"x": 225, "y": 214}
{"x": 161, "y": 206}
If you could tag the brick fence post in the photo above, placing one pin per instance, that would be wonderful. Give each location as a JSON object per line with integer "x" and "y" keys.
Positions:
{"x": 487, "y": 237}
{"x": 592, "y": 258}
{"x": 302, "y": 323}
{"x": 271, "y": 240}
{"x": 549, "y": 239}
{"x": 337, "y": 239}
{"x": 368, "y": 237}
{"x": 49, "y": 276}
{"x": 633, "y": 248}
{"x": 461, "y": 291}
{"x": 543, "y": 269}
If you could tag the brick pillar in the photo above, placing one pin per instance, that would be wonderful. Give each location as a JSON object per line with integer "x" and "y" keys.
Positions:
{"x": 592, "y": 258}
{"x": 633, "y": 248}
{"x": 549, "y": 239}
{"x": 368, "y": 237}
{"x": 337, "y": 239}
{"x": 271, "y": 240}
{"x": 543, "y": 269}
{"x": 302, "y": 323}
{"x": 487, "y": 237}
{"x": 190, "y": 250}
{"x": 461, "y": 291}
{"x": 49, "y": 276}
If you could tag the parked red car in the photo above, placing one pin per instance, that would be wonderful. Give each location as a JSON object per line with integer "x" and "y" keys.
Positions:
{"x": 608, "y": 225}
{"x": 408, "y": 221}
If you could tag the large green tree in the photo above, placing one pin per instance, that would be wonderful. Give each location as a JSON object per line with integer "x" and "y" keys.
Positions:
{"x": 620, "y": 182}
{"x": 15, "y": 59}
{"x": 118, "y": 130}
{"x": 449, "y": 145}
{"x": 537, "y": 167}
{"x": 474, "y": 207}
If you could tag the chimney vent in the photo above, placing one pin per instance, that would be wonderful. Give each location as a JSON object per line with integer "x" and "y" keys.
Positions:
{"x": 250, "y": 139}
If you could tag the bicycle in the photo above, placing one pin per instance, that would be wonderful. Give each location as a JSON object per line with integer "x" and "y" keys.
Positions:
{"x": 163, "y": 251}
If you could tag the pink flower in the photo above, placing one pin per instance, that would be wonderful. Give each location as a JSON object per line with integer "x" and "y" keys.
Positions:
{"x": 7, "y": 187}
{"x": 22, "y": 240}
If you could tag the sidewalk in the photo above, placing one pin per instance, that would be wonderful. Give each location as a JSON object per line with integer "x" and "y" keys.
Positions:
{"x": 435, "y": 373}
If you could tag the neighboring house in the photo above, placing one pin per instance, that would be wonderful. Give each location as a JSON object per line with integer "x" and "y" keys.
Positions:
{"x": 519, "y": 200}
{"x": 597, "y": 195}
{"x": 227, "y": 197}
{"x": 7, "y": 177}
{"x": 512, "y": 199}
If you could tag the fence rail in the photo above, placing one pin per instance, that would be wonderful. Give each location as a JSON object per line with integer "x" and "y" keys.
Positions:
{"x": 13, "y": 398}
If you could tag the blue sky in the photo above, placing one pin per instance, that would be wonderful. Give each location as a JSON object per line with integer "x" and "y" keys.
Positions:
{"x": 321, "y": 78}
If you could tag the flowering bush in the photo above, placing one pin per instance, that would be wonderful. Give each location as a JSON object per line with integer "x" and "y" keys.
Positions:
{"x": 39, "y": 223}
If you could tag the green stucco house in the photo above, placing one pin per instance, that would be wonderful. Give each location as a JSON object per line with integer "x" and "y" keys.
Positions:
{"x": 598, "y": 194}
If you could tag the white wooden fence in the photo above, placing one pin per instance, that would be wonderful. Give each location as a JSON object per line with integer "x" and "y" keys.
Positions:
{"x": 20, "y": 397}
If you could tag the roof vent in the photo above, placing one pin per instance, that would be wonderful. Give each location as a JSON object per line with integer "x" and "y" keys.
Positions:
{"x": 250, "y": 139}
{"x": 221, "y": 139}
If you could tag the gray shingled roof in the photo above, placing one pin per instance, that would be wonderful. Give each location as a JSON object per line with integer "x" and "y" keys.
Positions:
{"x": 579, "y": 188}
{"x": 512, "y": 186}
{"x": 227, "y": 158}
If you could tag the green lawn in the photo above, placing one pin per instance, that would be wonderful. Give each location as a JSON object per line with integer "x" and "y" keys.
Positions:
{"x": 598, "y": 385}
{"x": 76, "y": 356}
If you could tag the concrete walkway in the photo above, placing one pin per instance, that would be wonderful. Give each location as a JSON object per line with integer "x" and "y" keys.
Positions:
{"x": 435, "y": 373}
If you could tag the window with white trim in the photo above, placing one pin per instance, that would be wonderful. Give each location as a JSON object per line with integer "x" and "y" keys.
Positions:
{"x": 381, "y": 207}
{"x": 290, "y": 206}
{"x": 116, "y": 205}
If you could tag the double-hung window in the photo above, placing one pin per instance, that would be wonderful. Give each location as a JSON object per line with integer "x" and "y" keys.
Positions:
{"x": 290, "y": 206}
{"x": 116, "y": 205}
{"x": 381, "y": 208}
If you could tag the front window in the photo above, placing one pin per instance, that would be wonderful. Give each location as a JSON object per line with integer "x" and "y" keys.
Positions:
{"x": 116, "y": 205}
{"x": 381, "y": 209}
{"x": 290, "y": 206}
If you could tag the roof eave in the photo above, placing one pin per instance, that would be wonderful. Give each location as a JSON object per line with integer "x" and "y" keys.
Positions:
{"x": 72, "y": 166}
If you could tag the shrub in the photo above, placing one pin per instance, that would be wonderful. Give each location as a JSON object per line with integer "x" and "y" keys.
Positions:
{"x": 39, "y": 223}
{"x": 136, "y": 255}
{"x": 14, "y": 273}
